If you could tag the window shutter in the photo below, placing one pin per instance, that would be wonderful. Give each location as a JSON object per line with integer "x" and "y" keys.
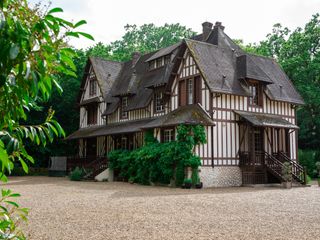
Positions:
{"x": 198, "y": 96}
{"x": 182, "y": 93}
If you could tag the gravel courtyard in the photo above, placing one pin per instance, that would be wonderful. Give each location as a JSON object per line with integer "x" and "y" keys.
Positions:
{"x": 61, "y": 209}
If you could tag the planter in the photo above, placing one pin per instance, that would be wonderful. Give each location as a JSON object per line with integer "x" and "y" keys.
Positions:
{"x": 199, "y": 185}
{"x": 287, "y": 185}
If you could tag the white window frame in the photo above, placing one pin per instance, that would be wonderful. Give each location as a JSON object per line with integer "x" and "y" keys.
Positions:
{"x": 168, "y": 135}
{"x": 158, "y": 98}
{"x": 124, "y": 103}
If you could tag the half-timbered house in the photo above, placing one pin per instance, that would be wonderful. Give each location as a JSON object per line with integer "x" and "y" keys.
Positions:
{"x": 246, "y": 103}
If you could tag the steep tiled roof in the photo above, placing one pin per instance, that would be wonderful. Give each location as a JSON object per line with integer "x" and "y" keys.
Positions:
{"x": 222, "y": 63}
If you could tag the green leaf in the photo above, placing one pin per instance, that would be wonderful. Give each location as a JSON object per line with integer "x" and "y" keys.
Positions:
{"x": 12, "y": 203}
{"x": 55, "y": 10}
{"x": 78, "y": 24}
{"x": 24, "y": 165}
{"x": 72, "y": 34}
{"x": 86, "y": 35}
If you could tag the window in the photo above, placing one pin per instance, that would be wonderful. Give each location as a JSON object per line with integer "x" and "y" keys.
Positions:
{"x": 159, "y": 62}
{"x": 92, "y": 87}
{"x": 190, "y": 91}
{"x": 168, "y": 135}
{"x": 256, "y": 94}
{"x": 158, "y": 102}
{"x": 124, "y": 104}
{"x": 167, "y": 59}
{"x": 92, "y": 111}
{"x": 152, "y": 65}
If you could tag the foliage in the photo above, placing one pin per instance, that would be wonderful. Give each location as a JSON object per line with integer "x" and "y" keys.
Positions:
{"x": 187, "y": 181}
{"x": 287, "y": 171}
{"x": 307, "y": 158}
{"x": 147, "y": 38}
{"x": 76, "y": 174}
{"x": 11, "y": 215}
{"x": 32, "y": 55}
{"x": 195, "y": 176}
{"x": 160, "y": 162}
{"x": 318, "y": 168}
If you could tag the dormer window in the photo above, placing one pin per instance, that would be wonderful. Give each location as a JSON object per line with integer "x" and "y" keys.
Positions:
{"x": 167, "y": 59}
{"x": 124, "y": 104}
{"x": 158, "y": 102}
{"x": 92, "y": 87}
{"x": 159, "y": 62}
{"x": 255, "y": 90}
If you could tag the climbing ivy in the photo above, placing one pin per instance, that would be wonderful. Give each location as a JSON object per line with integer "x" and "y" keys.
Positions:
{"x": 160, "y": 162}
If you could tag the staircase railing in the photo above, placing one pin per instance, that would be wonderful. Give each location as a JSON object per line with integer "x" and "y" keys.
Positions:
{"x": 298, "y": 171}
{"x": 274, "y": 165}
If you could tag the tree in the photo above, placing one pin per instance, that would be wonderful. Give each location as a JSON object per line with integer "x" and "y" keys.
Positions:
{"x": 32, "y": 55}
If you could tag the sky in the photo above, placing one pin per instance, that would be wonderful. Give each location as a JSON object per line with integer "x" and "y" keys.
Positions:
{"x": 249, "y": 20}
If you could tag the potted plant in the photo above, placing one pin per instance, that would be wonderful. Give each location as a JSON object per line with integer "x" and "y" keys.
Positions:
{"x": 196, "y": 179}
{"x": 318, "y": 172}
{"x": 187, "y": 183}
{"x": 287, "y": 175}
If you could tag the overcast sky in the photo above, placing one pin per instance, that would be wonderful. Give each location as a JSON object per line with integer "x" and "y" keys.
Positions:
{"x": 249, "y": 20}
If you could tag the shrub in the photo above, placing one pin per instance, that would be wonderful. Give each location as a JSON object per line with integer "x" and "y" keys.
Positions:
{"x": 308, "y": 158}
{"x": 287, "y": 172}
{"x": 77, "y": 174}
{"x": 160, "y": 162}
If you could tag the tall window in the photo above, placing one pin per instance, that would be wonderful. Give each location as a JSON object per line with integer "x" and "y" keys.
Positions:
{"x": 92, "y": 112}
{"x": 168, "y": 135}
{"x": 124, "y": 104}
{"x": 190, "y": 91}
{"x": 256, "y": 95}
{"x": 158, "y": 101}
{"x": 92, "y": 87}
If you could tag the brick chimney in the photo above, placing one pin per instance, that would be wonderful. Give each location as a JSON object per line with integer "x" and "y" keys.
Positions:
{"x": 219, "y": 25}
{"x": 135, "y": 57}
{"x": 206, "y": 30}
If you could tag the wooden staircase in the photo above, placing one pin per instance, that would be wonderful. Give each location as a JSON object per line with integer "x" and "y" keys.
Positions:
{"x": 275, "y": 165}
{"x": 93, "y": 165}
{"x": 95, "y": 168}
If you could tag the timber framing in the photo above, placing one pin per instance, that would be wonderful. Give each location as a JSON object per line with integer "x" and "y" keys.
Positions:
{"x": 246, "y": 102}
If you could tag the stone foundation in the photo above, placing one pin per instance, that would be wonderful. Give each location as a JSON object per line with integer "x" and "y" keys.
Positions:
{"x": 229, "y": 176}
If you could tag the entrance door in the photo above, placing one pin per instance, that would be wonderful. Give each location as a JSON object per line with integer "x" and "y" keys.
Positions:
{"x": 258, "y": 149}
{"x": 91, "y": 147}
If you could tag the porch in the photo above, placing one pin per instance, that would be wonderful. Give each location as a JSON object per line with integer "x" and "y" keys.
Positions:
{"x": 266, "y": 143}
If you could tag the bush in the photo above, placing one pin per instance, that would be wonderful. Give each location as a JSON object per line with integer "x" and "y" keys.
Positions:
{"x": 287, "y": 172}
{"x": 308, "y": 159}
{"x": 77, "y": 174}
{"x": 160, "y": 162}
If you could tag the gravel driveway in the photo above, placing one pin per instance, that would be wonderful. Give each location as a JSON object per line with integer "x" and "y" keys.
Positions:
{"x": 61, "y": 209}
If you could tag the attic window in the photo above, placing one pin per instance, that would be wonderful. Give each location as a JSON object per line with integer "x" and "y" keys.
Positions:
{"x": 124, "y": 104}
{"x": 255, "y": 90}
{"x": 159, "y": 62}
{"x": 167, "y": 59}
{"x": 92, "y": 87}
{"x": 158, "y": 102}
